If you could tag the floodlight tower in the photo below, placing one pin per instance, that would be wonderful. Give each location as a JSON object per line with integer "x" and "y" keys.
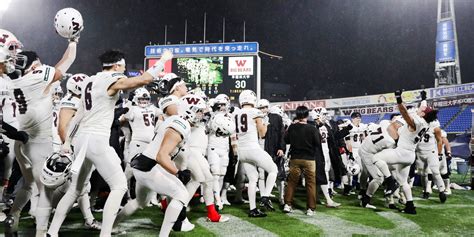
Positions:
{"x": 447, "y": 65}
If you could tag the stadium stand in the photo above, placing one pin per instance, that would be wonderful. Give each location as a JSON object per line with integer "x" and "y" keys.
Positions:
{"x": 462, "y": 122}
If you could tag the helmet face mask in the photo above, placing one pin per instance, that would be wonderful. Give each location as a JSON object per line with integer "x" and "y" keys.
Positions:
{"x": 56, "y": 169}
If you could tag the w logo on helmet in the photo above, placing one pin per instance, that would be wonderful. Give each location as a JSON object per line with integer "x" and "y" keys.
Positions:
{"x": 3, "y": 38}
{"x": 318, "y": 110}
{"x": 78, "y": 78}
{"x": 192, "y": 100}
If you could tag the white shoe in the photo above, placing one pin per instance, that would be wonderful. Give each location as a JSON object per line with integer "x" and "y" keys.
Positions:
{"x": 187, "y": 226}
{"x": 118, "y": 232}
{"x": 271, "y": 195}
{"x": 222, "y": 219}
{"x": 201, "y": 200}
{"x": 448, "y": 191}
{"x": 226, "y": 202}
{"x": 220, "y": 206}
{"x": 309, "y": 212}
{"x": 94, "y": 225}
{"x": 333, "y": 204}
{"x": 287, "y": 209}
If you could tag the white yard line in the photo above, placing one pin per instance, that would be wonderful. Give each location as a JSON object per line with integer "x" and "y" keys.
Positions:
{"x": 235, "y": 227}
{"x": 331, "y": 225}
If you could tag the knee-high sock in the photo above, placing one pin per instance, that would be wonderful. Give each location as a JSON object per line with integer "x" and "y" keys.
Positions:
{"x": 252, "y": 192}
{"x": 111, "y": 208}
{"x": 216, "y": 190}
{"x": 85, "y": 206}
{"x": 224, "y": 191}
{"x": 373, "y": 186}
{"x": 128, "y": 210}
{"x": 61, "y": 211}
{"x": 383, "y": 167}
{"x": 192, "y": 186}
{"x": 171, "y": 214}
{"x": 207, "y": 192}
{"x": 407, "y": 191}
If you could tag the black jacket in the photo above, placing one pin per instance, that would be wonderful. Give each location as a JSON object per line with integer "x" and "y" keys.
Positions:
{"x": 274, "y": 138}
{"x": 334, "y": 137}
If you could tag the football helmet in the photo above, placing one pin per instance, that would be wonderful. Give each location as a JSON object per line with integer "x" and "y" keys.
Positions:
{"x": 142, "y": 97}
{"x": 263, "y": 103}
{"x": 222, "y": 99}
{"x": 200, "y": 93}
{"x": 7, "y": 59}
{"x": 373, "y": 128}
{"x": 247, "y": 97}
{"x": 197, "y": 105}
{"x": 222, "y": 125}
{"x": 75, "y": 82}
{"x": 168, "y": 83}
{"x": 56, "y": 169}
{"x": 276, "y": 109}
{"x": 9, "y": 41}
{"x": 57, "y": 95}
{"x": 352, "y": 168}
{"x": 188, "y": 111}
{"x": 68, "y": 23}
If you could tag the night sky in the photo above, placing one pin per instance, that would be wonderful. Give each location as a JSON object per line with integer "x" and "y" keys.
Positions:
{"x": 330, "y": 47}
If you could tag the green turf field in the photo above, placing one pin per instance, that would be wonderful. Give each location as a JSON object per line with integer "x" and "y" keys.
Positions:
{"x": 454, "y": 218}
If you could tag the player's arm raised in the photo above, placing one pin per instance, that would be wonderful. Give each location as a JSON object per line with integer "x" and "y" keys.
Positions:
{"x": 66, "y": 61}
{"x": 126, "y": 83}
{"x": 403, "y": 110}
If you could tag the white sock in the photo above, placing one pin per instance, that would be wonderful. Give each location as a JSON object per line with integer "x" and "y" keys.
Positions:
{"x": 111, "y": 208}
{"x": 206, "y": 189}
{"x": 325, "y": 190}
{"x": 171, "y": 214}
{"x": 192, "y": 186}
{"x": 252, "y": 192}
{"x": 407, "y": 191}
{"x": 216, "y": 190}
{"x": 85, "y": 206}
{"x": 224, "y": 191}
{"x": 128, "y": 210}
{"x": 271, "y": 179}
{"x": 63, "y": 208}
{"x": 383, "y": 167}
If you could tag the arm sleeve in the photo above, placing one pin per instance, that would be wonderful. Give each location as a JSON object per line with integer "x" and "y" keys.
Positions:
{"x": 11, "y": 132}
{"x": 281, "y": 133}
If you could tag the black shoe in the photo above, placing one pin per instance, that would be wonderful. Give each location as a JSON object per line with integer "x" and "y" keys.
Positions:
{"x": 409, "y": 208}
{"x": 257, "y": 213}
{"x": 361, "y": 194}
{"x": 364, "y": 200}
{"x": 267, "y": 203}
{"x": 391, "y": 186}
{"x": 426, "y": 195}
{"x": 392, "y": 206}
{"x": 347, "y": 190}
{"x": 442, "y": 197}
{"x": 9, "y": 224}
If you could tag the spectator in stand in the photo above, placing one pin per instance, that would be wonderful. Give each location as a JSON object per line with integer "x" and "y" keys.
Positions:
{"x": 305, "y": 146}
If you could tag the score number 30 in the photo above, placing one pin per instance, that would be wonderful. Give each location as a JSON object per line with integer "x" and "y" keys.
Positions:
{"x": 240, "y": 84}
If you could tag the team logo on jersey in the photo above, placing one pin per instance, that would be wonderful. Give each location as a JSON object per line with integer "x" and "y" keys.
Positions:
{"x": 192, "y": 100}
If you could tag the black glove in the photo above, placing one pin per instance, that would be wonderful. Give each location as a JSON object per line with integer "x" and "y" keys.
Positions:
{"x": 234, "y": 160}
{"x": 23, "y": 137}
{"x": 423, "y": 95}
{"x": 448, "y": 156}
{"x": 398, "y": 96}
{"x": 4, "y": 149}
{"x": 440, "y": 157}
{"x": 184, "y": 176}
{"x": 349, "y": 127}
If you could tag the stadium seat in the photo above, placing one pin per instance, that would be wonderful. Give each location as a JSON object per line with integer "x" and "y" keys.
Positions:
{"x": 462, "y": 122}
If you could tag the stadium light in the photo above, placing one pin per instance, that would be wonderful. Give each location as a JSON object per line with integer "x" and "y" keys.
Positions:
{"x": 4, "y": 4}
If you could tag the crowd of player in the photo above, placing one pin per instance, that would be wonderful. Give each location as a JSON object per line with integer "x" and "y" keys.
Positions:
{"x": 186, "y": 143}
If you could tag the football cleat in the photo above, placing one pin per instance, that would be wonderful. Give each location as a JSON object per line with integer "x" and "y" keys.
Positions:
{"x": 442, "y": 197}
{"x": 365, "y": 202}
{"x": 426, "y": 195}
{"x": 392, "y": 206}
{"x": 94, "y": 225}
{"x": 361, "y": 193}
{"x": 333, "y": 204}
{"x": 187, "y": 226}
{"x": 226, "y": 202}
{"x": 409, "y": 208}
{"x": 287, "y": 209}
{"x": 267, "y": 203}
{"x": 11, "y": 226}
{"x": 391, "y": 186}
{"x": 309, "y": 212}
{"x": 257, "y": 213}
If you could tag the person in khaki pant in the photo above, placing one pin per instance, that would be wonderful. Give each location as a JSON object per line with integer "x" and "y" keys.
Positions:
{"x": 305, "y": 145}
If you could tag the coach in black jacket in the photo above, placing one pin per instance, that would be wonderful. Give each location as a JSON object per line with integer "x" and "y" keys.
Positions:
{"x": 334, "y": 135}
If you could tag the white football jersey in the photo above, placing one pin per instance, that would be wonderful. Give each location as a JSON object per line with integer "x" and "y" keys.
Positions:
{"x": 356, "y": 134}
{"x": 9, "y": 106}
{"x": 54, "y": 127}
{"x": 428, "y": 141}
{"x": 407, "y": 139}
{"x": 98, "y": 105}
{"x": 246, "y": 127}
{"x": 377, "y": 141}
{"x": 198, "y": 137}
{"x": 142, "y": 122}
{"x": 324, "y": 139}
{"x": 175, "y": 122}
{"x": 35, "y": 105}
{"x": 218, "y": 142}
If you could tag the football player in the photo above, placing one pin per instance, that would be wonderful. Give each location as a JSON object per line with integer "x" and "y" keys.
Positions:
{"x": 250, "y": 127}
{"x": 33, "y": 94}
{"x": 353, "y": 142}
{"x": 94, "y": 120}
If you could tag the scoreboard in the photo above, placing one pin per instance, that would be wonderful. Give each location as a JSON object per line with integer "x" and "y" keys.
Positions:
{"x": 230, "y": 69}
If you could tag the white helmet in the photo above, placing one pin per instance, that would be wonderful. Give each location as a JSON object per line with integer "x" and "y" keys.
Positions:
{"x": 276, "y": 109}
{"x": 68, "y": 22}
{"x": 168, "y": 83}
{"x": 247, "y": 97}
{"x": 263, "y": 103}
{"x": 57, "y": 95}
{"x": 211, "y": 102}
{"x": 222, "y": 99}
{"x": 188, "y": 107}
{"x": 373, "y": 127}
{"x": 222, "y": 125}
{"x": 75, "y": 82}
{"x": 320, "y": 113}
{"x": 55, "y": 170}
{"x": 7, "y": 59}
{"x": 169, "y": 76}
{"x": 167, "y": 101}
{"x": 9, "y": 41}
{"x": 200, "y": 93}
{"x": 142, "y": 97}
{"x": 352, "y": 168}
